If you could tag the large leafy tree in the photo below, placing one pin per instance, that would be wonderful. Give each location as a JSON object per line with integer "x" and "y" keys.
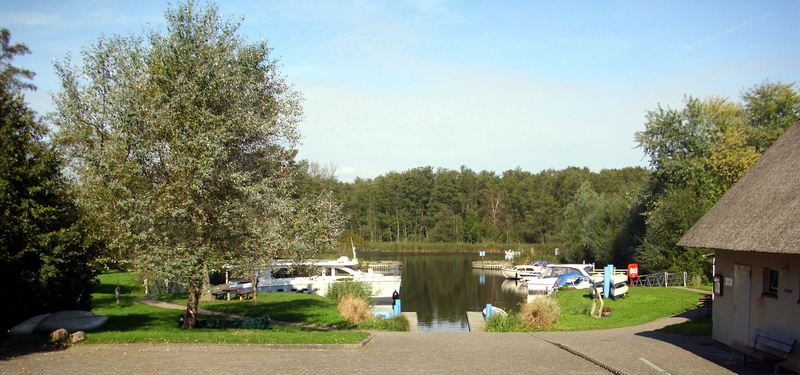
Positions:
{"x": 46, "y": 261}
{"x": 182, "y": 145}
{"x": 697, "y": 153}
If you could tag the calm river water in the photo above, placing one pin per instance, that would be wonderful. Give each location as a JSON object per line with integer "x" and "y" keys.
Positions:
{"x": 441, "y": 288}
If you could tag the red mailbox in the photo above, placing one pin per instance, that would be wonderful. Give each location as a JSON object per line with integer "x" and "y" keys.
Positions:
{"x": 633, "y": 270}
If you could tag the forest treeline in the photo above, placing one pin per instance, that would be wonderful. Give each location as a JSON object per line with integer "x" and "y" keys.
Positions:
{"x": 615, "y": 216}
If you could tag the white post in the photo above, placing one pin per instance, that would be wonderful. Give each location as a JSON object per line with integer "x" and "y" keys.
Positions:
{"x": 666, "y": 279}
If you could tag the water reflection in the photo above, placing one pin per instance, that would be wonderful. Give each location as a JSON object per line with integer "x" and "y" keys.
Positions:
{"x": 441, "y": 288}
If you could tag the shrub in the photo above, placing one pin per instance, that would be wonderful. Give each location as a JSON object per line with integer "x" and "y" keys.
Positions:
{"x": 355, "y": 310}
{"x": 499, "y": 323}
{"x": 540, "y": 313}
{"x": 358, "y": 289}
{"x": 398, "y": 323}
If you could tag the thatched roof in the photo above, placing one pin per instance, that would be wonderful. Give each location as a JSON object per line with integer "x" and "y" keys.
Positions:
{"x": 761, "y": 212}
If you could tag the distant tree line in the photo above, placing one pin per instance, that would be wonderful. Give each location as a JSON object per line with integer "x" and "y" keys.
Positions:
{"x": 613, "y": 216}
{"x": 464, "y": 206}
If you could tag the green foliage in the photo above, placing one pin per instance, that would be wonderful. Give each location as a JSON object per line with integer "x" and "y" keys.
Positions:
{"x": 46, "y": 257}
{"x": 395, "y": 324}
{"x": 182, "y": 144}
{"x": 131, "y": 321}
{"x": 463, "y": 207}
{"x": 671, "y": 217}
{"x": 510, "y": 323}
{"x": 697, "y": 153}
{"x": 358, "y": 289}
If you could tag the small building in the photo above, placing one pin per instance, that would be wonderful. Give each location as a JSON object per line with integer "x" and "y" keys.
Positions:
{"x": 754, "y": 230}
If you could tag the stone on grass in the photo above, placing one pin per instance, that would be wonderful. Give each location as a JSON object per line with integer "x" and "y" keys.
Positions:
{"x": 77, "y": 337}
{"x": 59, "y": 335}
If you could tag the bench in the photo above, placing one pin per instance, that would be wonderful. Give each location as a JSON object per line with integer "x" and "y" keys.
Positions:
{"x": 705, "y": 302}
{"x": 768, "y": 347}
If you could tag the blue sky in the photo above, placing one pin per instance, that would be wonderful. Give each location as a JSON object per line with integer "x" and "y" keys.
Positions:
{"x": 395, "y": 85}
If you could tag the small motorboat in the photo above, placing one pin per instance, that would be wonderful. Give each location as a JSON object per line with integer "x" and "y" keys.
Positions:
{"x": 525, "y": 270}
{"x": 495, "y": 311}
{"x": 573, "y": 280}
{"x": 71, "y": 320}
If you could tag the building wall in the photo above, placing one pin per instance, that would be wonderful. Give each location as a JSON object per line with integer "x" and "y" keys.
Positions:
{"x": 781, "y": 314}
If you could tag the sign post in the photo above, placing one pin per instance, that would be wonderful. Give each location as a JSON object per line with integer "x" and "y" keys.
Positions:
{"x": 633, "y": 272}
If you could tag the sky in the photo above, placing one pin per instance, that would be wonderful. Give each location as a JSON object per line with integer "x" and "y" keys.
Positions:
{"x": 488, "y": 85}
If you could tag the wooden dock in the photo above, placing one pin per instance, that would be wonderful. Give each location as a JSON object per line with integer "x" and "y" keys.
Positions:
{"x": 491, "y": 264}
{"x": 386, "y": 267}
{"x": 476, "y": 321}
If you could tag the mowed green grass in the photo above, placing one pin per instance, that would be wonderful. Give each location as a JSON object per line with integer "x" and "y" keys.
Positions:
{"x": 134, "y": 322}
{"x": 641, "y": 305}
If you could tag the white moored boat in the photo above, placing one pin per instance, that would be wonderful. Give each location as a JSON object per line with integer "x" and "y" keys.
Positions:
{"x": 525, "y": 270}
{"x": 546, "y": 283}
{"x": 319, "y": 275}
{"x": 71, "y": 320}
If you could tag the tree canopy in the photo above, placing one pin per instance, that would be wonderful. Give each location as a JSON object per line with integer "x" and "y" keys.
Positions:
{"x": 46, "y": 260}
{"x": 182, "y": 145}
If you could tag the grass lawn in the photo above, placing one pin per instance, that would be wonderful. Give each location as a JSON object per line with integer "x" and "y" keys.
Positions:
{"x": 642, "y": 305}
{"x": 694, "y": 327}
{"x": 134, "y": 322}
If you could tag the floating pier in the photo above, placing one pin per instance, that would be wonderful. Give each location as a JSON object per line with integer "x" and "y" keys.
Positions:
{"x": 491, "y": 264}
{"x": 476, "y": 321}
{"x": 386, "y": 267}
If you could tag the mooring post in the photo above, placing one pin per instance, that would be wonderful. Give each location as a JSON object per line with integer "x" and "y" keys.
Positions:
{"x": 608, "y": 272}
{"x": 489, "y": 311}
{"x": 397, "y": 309}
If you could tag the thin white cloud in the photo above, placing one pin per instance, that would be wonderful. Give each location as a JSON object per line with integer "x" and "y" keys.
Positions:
{"x": 714, "y": 37}
{"x": 30, "y": 19}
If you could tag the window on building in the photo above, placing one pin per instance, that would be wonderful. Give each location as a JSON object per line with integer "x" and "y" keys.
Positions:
{"x": 770, "y": 283}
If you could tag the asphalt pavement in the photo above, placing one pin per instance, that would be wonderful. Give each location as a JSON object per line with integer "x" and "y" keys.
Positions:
{"x": 629, "y": 350}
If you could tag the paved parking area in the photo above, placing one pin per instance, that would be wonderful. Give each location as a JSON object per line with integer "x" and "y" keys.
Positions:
{"x": 630, "y": 350}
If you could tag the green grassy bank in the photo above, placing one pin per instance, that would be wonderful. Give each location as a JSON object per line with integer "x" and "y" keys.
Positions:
{"x": 642, "y": 305}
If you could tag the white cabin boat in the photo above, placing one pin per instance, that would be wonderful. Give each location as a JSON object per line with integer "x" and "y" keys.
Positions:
{"x": 320, "y": 274}
{"x": 525, "y": 270}
{"x": 546, "y": 283}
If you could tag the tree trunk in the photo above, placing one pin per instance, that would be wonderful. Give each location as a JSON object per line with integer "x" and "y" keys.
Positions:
{"x": 255, "y": 286}
{"x": 194, "y": 290}
{"x": 205, "y": 294}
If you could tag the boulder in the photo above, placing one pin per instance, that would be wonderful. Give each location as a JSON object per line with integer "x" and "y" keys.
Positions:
{"x": 59, "y": 335}
{"x": 77, "y": 337}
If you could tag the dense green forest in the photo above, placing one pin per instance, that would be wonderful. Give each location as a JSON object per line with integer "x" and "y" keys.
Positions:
{"x": 613, "y": 216}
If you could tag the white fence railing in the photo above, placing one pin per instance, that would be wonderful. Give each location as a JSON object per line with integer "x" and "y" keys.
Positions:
{"x": 661, "y": 279}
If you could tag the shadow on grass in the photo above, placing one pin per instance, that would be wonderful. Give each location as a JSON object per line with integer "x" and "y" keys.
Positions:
{"x": 131, "y": 322}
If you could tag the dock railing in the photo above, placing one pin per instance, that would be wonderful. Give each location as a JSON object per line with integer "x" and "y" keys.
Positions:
{"x": 661, "y": 279}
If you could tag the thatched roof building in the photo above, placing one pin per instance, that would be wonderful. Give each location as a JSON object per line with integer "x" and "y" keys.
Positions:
{"x": 761, "y": 212}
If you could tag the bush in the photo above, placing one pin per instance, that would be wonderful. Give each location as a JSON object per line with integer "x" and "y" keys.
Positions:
{"x": 358, "y": 289}
{"x": 511, "y": 323}
{"x": 398, "y": 323}
{"x": 355, "y": 310}
{"x": 540, "y": 313}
